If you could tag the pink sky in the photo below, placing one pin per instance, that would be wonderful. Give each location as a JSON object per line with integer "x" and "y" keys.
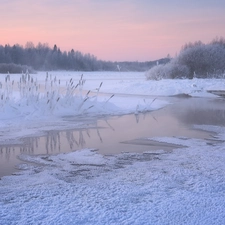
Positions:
{"x": 117, "y": 30}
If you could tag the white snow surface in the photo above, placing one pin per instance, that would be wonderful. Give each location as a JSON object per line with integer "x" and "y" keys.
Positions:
{"x": 182, "y": 186}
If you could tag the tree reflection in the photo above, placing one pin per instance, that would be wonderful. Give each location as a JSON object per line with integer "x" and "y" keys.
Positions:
{"x": 53, "y": 142}
{"x": 56, "y": 141}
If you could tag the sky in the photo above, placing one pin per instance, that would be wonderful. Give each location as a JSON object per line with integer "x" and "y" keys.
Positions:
{"x": 115, "y": 30}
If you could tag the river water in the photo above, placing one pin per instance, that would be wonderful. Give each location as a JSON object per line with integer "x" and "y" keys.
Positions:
{"x": 127, "y": 133}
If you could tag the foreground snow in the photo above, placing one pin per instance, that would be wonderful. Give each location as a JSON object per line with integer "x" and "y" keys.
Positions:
{"x": 185, "y": 186}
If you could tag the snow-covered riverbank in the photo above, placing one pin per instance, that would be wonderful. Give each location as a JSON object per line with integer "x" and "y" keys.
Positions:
{"x": 182, "y": 186}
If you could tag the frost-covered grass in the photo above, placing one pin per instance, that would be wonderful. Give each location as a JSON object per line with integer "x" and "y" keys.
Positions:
{"x": 34, "y": 98}
{"x": 43, "y": 101}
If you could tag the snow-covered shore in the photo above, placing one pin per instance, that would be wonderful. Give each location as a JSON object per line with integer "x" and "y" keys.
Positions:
{"x": 182, "y": 186}
{"x": 39, "y": 103}
{"x": 46, "y": 108}
{"x": 185, "y": 186}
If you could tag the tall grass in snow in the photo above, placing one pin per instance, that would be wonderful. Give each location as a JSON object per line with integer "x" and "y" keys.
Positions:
{"x": 30, "y": 97}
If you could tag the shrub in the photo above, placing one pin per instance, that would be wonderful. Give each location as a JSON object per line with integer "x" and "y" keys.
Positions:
{"x": 168, "y": 71}
{"x": 203, "y": 60}
{"x": 14, "y": 68}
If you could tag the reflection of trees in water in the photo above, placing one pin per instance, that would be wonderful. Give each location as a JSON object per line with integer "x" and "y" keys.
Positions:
{"x": 13, "y": 150}
{"x": 6, "y": 152}
{"x": 200, "y": 111}
{"x": 142, "y": 116}
{"x": 52, "y": 142}
{"x": 56, "y": 141}
{"x": 204, "y": 117}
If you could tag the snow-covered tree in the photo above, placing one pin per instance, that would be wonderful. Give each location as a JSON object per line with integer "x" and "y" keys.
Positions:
{"x": 195, "y": 60}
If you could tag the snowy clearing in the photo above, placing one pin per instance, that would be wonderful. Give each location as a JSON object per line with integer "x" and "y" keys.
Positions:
{"x": 185, "y": 185}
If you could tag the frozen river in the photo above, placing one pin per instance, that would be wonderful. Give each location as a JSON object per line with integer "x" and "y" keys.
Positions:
{"x": 116, "y": 134}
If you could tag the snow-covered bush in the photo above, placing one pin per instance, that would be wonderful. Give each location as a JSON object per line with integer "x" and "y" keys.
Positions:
{"x": 14, "y": 68}
{"x": 203, "y": 60}
{"x": 156, "y": 73}
{"x": 195, "y": 60}
{"x": 168, "y": 71}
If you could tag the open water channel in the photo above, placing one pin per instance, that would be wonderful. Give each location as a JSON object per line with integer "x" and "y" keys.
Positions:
{"x": 127, "y": 133}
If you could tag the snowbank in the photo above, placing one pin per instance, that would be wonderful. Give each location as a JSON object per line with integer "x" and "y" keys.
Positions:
{"x": 165, "y": 87}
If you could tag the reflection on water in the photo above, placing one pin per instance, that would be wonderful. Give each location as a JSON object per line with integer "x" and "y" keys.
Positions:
{"x": 110, "y": 135}
{"x": 201, "y": 111}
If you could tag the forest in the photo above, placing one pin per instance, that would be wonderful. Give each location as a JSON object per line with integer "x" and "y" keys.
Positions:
{"x": 14, "y": 59}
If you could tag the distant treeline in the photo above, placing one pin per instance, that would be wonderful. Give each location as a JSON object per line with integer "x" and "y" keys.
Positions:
{"x": 15, "y": 58}
{"x": 195, "y": 60}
